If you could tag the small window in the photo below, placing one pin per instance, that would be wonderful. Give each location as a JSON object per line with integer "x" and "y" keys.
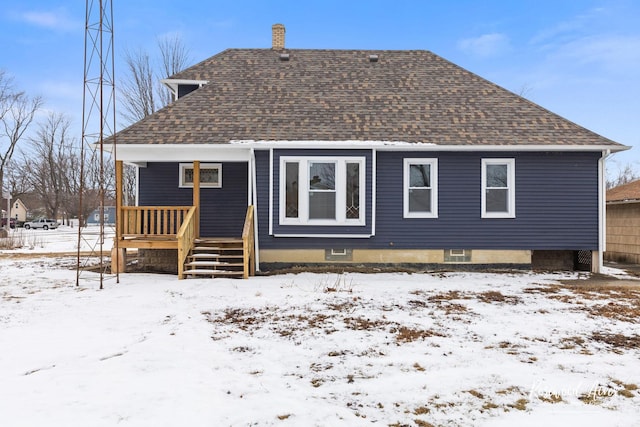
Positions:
{"x": 420, "y": 188}
{"x": 457, "y": 255}
{"x": 210, "y": 175}
{"x": 498, "y": 188}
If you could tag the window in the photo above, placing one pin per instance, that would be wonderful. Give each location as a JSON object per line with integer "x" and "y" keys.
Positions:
{"x": 210, "y": 175}
{"x": 420, "y": 188}
{"x": 322, "y": 190}
{"x": 498, "y": 188}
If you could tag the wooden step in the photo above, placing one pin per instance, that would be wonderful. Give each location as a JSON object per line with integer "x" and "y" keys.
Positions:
{"x": 201, "y": 255}
{"x": 207, "y": 272}
{"x": 214, "y": 263}
{"x": 215, "y": 248}
{"x": 215, "y": 257}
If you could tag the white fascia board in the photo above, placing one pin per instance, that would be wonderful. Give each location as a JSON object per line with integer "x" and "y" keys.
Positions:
{"x": 417, "y": 146}
{"x": 623, "y": 202}
{"x": 182, "y": 153}
{"x": 173, "y": 84}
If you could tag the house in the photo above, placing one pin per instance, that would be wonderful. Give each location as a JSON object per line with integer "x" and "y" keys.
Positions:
{"x": 109, "y": 216}
{"x": 623, "y": 223}
{"x": 19, "y": 211}
{"x": 293, "y": 157}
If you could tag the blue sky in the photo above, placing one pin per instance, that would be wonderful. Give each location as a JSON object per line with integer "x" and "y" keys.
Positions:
{"x": 580, "y": 59}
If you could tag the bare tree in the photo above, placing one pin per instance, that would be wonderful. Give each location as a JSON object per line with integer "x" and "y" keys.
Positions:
{"x": 51, "y": 171}
{"x": 137, "y": 91}
{"x": 174, "y": 57}
{"x": 141, "y": 91}
{"x": 17, "y": 111}
{"x": 625, "y": 175}
{"x": 49, "y": 163}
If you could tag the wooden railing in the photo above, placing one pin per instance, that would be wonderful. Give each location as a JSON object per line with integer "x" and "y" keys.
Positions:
{"x": 248, "y": 244}
{"x": 151, "y": 221}
{"x": 186, "y": 235}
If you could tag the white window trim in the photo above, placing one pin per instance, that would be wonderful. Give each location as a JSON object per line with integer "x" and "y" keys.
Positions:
{"x": 184, "y": 166}
{"x": 511, "y": 188}
{"x": 303, "y": 194}
{"x": 434, "y": 187}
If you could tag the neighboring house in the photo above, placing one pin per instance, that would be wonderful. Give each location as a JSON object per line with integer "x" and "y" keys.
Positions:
{"x": 109, "y": 216}
{"x": 19, "y": 210}
{"x": 623, "y": 223}
{"x": 375, "y": 158}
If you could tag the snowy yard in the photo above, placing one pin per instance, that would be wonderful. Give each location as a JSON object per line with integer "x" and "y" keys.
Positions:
{"x": 455, "y": 349}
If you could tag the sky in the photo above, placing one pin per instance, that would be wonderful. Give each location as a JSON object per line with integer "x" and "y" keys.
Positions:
{"x": 579, "y": 59}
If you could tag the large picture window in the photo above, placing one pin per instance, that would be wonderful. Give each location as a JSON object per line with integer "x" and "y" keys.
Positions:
{"x": 498, "y": 188}
{"x": 322, "y": 190}
{"x": 210, "y": 175}
{"x": 420, "y": 188}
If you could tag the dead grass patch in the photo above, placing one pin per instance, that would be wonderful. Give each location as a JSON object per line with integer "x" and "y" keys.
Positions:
{"x": 406, "y": 335}
{"x": 448, "y": 296}
{"x": 487, "y": 406}
{"x": 421, "y": 410}
{"x": 618, "y": 341}
{"x": 543, "y": 289}
{"x": 490, "y": 297}
{"x": 283, "y": 417}
{"x": 475, "y": 393}
{"x": 508, "y": 390}
{"x": 520, "y": 404}
{"x": 364, "y": 324}
{"x": 570, "y": 343}
{"x": 627, "y": 311}
{"x": 550, "y": 397}
{"x": 421, "y": 423}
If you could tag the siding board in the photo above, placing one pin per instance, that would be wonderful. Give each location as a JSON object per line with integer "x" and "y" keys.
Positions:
{"x": 222, "y": 209}
{"x": 556, "y": 205}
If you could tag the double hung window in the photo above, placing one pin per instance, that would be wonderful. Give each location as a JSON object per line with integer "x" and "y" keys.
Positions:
{"x": 498, "y": 188}
{"x": 420, "y": 188}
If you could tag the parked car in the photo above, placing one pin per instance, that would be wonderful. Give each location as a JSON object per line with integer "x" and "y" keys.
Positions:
{"x": 43, "y": 223}
{"x": 12, "y": 222}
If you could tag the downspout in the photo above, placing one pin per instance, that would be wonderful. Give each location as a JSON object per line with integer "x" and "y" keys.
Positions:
{"x": 602, "y": 210}
{"x": 254, "y": 195}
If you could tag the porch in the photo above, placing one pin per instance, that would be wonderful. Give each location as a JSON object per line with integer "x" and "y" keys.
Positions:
{"x": 178, "y": 228}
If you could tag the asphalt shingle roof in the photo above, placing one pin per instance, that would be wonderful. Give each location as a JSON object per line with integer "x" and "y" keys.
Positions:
{"x": 339, "y": 95}
{"x": 625, "y": 192}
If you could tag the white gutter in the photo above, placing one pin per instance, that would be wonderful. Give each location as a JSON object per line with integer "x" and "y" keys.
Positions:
{"x": 419, "y": 146}
{"x": 602, "y": 208}
{"x": 254, "y": 195}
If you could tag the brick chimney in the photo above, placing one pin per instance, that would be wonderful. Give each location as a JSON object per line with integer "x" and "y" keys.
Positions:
{"x": 277, "y": 37}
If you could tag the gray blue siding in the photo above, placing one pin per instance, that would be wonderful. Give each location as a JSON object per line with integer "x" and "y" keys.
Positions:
{"x": 222, "y": 209}
{"x": 556, "y": 205}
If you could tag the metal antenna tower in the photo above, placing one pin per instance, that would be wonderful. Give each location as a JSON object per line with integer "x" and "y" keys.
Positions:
{"x": 99, "y": 112}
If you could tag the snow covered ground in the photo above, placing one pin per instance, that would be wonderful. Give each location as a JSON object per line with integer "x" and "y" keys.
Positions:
{"x": 62, "y": 239}
{"x": 454, "y": 349}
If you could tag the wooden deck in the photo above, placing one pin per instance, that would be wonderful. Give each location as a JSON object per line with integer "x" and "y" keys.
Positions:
{"x": 175, "y": 227}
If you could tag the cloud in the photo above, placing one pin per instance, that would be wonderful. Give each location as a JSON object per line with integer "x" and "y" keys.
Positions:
{"x": 486, "y": 45}
{"x": 616, "y": 54}
{"x": 569, "y": 28}
{"x": 57, "y": 20}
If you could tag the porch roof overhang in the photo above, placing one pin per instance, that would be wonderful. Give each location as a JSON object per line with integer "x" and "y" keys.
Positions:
{"x": 240, "y": 151}
{"x": 140, "y": 153}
